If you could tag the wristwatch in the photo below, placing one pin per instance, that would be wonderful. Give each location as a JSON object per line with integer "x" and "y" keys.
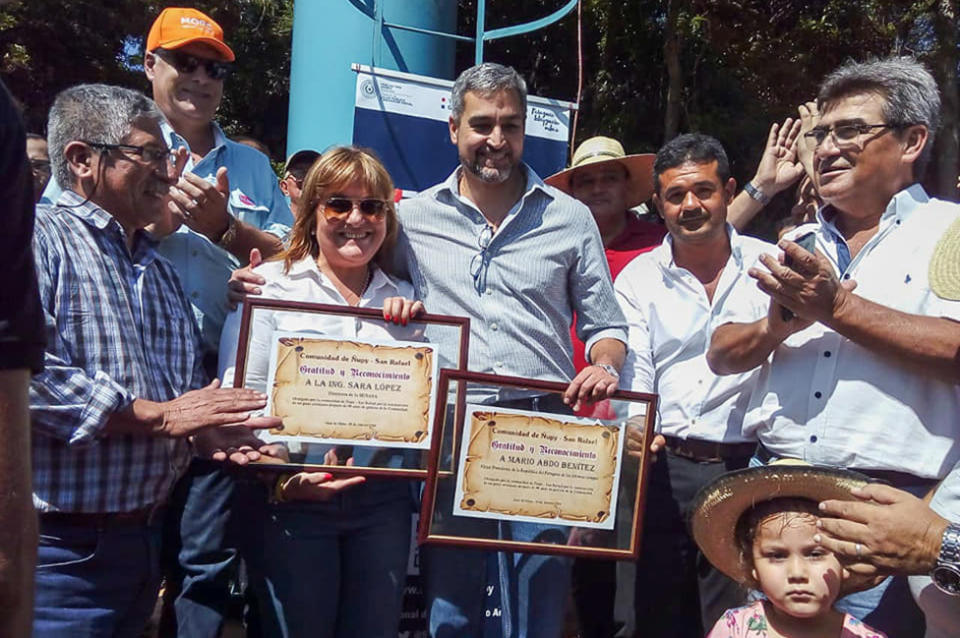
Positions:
{"x": 756, "y": 193}
{"x": 946, "y": 575}
{"x": 609, "y": 370}
{"x": 230, "y": 233}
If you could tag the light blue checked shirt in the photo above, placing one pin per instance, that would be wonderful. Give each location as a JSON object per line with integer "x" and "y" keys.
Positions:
{"x": 545, "y": 261}
{"x": 255, "y": 198}
{"x": 118, "y": 328}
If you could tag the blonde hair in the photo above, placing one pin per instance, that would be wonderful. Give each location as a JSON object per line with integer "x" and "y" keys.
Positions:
{"x": 338, "y": 168}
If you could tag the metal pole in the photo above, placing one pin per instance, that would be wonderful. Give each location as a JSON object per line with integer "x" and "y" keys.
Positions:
{"x": 378, "y": 30}
{"x": 481, "y": 19}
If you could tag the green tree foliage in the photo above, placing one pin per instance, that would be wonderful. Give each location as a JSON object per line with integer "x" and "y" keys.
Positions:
{"x": 49, "y": 45}
{"x": 742, "y": 64}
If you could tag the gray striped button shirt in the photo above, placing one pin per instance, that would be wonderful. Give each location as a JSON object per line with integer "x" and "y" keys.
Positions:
{"x": 118, "y": 328}
{"x": 519, "y": 286}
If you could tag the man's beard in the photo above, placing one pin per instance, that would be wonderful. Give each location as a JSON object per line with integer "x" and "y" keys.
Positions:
{"x": 485, "y": 173}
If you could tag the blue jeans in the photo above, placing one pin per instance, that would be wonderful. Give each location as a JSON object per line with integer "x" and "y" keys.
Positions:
{"x": 336, "y": 569}
{"x": 95, "y": 581}
{"x": 533, "y": 588}
{"x": 208, "y": 527}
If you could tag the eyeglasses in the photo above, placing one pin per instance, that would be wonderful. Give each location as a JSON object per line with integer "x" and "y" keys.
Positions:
{"x": 148, "y": 154}
{"x": 187, "y": 64}
{"x": 480, "y": 262}
{"x": 845, "y": 135}
{"x": 339, "y": 208}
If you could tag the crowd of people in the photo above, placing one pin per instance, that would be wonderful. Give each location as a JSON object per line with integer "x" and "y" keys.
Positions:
{"x": 837, "y": 347}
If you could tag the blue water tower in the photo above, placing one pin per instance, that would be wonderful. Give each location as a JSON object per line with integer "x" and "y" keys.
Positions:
{"x": 330, "y": 35}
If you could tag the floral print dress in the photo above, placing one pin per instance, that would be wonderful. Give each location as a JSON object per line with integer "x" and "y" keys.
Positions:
{"x": 751, "y": 622}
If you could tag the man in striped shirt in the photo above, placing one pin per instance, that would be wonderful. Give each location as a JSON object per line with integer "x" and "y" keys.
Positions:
{"x": 122, "y": 392}
{"x": 494, "y": 243}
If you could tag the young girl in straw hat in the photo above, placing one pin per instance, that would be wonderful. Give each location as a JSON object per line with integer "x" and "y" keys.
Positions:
{"x": 762, "y": 524}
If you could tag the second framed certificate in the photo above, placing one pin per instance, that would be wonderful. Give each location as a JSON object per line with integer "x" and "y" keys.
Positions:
{"x": 356, "y": 394}
{"x": 517, "y": 471}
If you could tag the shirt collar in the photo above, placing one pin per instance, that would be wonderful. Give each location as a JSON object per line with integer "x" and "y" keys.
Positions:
{"x": 664, "y": 252}
{"x": 175, "y": 140}
{"x": 899, "y": 209}
{"x": 73, "y": 203}
{"x": 635, "y": 227}
{"x": 92, "y": 215}
{"x": 307, "y": 267}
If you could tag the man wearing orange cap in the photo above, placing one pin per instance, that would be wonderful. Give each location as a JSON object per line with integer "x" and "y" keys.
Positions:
{"x": 226, "y": 203}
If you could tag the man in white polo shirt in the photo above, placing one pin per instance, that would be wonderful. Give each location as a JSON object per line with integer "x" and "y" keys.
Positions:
{"x": 864, "y": 375}
{"x": 672, "y": 298}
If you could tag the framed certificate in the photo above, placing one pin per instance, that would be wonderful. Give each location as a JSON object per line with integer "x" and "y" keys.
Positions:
{"x": 357, "y": 394}
{"x": 524, "y": 474}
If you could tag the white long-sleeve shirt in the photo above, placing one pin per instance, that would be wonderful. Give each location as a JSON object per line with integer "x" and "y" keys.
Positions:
{"x": 670, "y": 322}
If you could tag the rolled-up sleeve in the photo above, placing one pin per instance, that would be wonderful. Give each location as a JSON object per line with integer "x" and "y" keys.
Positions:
{"x": 67, "y": 403}
{"x": 591, "y": 289}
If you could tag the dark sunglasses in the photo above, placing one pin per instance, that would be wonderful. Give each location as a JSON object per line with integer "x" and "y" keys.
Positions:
{"x": 339, "y": 208}
{"x": 187, "y": 64}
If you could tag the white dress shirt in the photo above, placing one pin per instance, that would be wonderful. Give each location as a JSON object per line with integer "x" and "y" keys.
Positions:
{"x": 830, "y": 401}
{"x": 305, "y": 282}
{"x": 670, "y": 323}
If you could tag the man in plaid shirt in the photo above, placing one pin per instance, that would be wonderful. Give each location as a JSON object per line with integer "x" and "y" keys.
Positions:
{"x": 122, "y": 394}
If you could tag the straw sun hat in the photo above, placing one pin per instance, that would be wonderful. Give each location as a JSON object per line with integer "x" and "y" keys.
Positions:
{"x": 945, "y": 264}
{"x": 719, "y": 505}
{"x": 598, "y": 150}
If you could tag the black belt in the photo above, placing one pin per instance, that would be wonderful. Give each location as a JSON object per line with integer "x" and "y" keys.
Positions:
{"x": 899, "y": 480}
{"x": 100, "y": 520}
{"x": 701, "y": 450}
{"x": 539, "y": 403}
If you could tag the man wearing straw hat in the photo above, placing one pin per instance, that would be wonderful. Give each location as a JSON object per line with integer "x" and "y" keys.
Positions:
{"x": 864, "y": 370}
{"x": 610, "y": 183}
{"x": 673, "y": 297}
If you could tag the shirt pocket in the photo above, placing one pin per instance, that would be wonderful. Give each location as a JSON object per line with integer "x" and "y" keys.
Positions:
{"x": 247, "y": 209}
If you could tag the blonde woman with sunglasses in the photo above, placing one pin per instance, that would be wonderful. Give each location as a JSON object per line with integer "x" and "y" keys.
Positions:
{"x": 334, "y": 550}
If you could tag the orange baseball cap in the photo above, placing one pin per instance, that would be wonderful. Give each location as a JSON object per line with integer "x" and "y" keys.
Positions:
{"x": 178, "y": 26}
